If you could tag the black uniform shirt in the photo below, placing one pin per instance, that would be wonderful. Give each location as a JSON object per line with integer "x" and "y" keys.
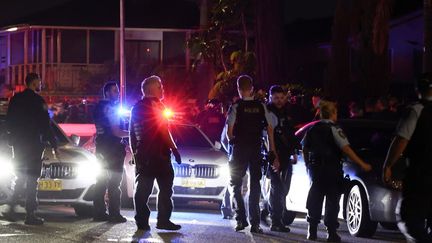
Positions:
{"x": 28, "y": 121}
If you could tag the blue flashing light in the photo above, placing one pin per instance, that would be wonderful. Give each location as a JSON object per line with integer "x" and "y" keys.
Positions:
{"x": 123, "y": 111}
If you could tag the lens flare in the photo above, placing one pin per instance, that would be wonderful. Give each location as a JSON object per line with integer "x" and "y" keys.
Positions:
{"x": 168, "y": 113}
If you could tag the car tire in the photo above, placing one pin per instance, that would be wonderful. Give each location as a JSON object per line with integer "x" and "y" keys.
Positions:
{"x": 389, "y": 226}
{"x": 83, "y": 211}
{"x": 357, "y": 214}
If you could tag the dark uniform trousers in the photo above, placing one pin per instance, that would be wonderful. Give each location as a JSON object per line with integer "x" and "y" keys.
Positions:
{"x": 28, "y": 164}
{"x": 110, "y": 178}
{"x": 280, "y": 183}
{"x": 415, "y": 206}
{"x": 326, "y": 181}
{"x": 144, "y": 180}
{"x": 243, "y": 157}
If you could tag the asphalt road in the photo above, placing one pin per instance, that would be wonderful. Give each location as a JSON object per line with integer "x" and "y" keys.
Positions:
{"x": 200, "y": 223}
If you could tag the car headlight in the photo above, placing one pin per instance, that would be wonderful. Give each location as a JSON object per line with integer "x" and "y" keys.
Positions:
{"x": 224, "y": 171}
{"x": 89, "y": 169}
{"x": 6, "y": 167}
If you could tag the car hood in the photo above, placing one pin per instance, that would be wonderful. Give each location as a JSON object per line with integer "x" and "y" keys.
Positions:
{"x": 68, "y": 154}
{"x": 202, "y": 156}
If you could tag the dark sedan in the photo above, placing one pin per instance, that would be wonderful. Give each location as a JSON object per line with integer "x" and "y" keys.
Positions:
{"x": 366, "y": 200}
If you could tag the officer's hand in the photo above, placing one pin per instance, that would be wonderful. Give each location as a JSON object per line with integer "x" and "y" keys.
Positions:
{"x": 276, "y": 165}
{"x": 294, "y": 160}
{"x": 366, "y": 167}
{"x": 177, "y": 156}
{"x": 387, "y": 175}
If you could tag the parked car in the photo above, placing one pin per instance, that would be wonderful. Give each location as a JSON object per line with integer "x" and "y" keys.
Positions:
{"x": 203, "y": 175}
{"x": 366, "y": 200}
{"x": 67, "y": 179}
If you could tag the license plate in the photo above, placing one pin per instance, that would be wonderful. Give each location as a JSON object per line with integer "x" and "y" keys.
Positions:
{"x": 50, "y": 185}
{"x": 193, "y": 183}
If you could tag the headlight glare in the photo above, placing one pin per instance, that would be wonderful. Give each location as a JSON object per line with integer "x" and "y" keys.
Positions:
{"x": 6, "y": 167}
{"x": 224, "y": 171}
{"x": 89, "y": 169}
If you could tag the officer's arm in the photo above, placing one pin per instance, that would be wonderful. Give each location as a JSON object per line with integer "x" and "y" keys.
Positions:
{"x": 270, "y": 130}
{"x": 396, "y": 149}
{"x": 305, "y": 152}
{"x": 347, "y": 150}
{"x": 270, "y": 133}
{"x": 11, "y": 115}
{"x": 46, "y": 125}
{"x": 114, "y": 120}
{"x": 132, "y": 137}
{"x": 404, "y": 131}
{"x": 231, "y": 119}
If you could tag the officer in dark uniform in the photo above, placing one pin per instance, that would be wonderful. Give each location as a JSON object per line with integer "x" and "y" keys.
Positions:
{"x": 286, "y": 143}
{"x": 111, "y": 152}
{"x": 152, "y": 144}
{"x": 413, "y": 138}
{"x": 246, "y": 120}
{"x": 323, "y": 146}
{"x": 211, "y": 120}
{"x": 28, "y": 125}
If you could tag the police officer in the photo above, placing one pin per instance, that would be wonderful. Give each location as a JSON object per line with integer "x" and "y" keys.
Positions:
{"x": 246, "y": 120}
{"x": 28, "y": 125}
{"x": 323, "y": 146}
{"x": 285, "y": 143}
{"x": 413, "y": 138}
{"x": 111, "y": 152}
{"x": 211, "y": 120}
{"x": 152, "y": 144}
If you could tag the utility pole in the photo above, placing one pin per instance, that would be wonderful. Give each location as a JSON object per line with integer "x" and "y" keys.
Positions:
{"x": 122, "y": 56}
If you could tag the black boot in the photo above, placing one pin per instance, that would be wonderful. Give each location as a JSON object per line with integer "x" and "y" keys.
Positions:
{"x": 241, "y": 225}
{"x": 312, "y": 232}
{"x": 116, "y": 218}
{"x": 32, "y": 219}
{"x": 279, "y": 228}
{"x": 332, "y": 236}
{"x": 167, "y": 225}
{"x": 10, "y": 214}
{"x": 256, "y": 229}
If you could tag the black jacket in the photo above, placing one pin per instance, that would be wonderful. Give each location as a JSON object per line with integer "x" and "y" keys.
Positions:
{"x": 28, "y": 121}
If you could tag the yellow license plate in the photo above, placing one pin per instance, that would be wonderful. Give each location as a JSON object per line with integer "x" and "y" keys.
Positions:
{"x": 193, "y": 183}
{"x": 50, "y": 185}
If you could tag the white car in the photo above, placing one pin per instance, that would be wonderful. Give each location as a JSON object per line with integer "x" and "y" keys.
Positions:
{"x": 67, "y": 179}
{"x": 203, "y": 175}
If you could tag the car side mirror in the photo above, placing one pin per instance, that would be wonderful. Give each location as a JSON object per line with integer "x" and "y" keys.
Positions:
{"x": 218, "y": 145}
{"x": 75, "y": 139}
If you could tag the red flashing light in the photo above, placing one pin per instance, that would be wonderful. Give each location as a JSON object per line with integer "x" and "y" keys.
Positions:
{"x": 168, "y": 113}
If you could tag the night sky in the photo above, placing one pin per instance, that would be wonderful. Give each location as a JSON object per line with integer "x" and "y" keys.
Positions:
{"x": 295, "y": 9}
{"x": 11, "y": 9}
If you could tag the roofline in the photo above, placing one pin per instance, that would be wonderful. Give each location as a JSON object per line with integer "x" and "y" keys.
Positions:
{"x": 406, "y": 18}
{"x": 16, "y": 28}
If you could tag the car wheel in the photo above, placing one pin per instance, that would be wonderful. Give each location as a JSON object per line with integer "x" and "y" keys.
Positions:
{"x": 357, "y": 214}
{"x": 389, "y": 226}
{"x": 83, "y": 211}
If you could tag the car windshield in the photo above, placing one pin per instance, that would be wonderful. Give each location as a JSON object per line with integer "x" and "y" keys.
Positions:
{"x": 189, "y": 136}
{"x": 60, "y": 137}
{"x": 373, "y": 136}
